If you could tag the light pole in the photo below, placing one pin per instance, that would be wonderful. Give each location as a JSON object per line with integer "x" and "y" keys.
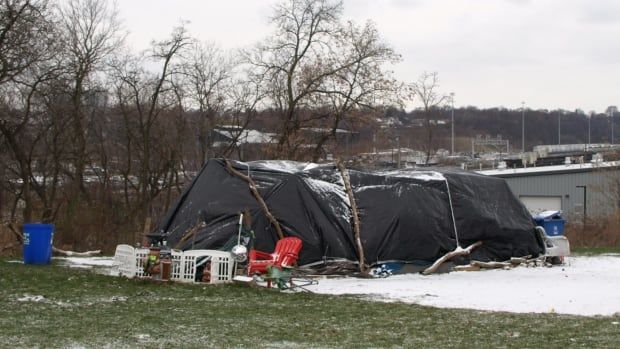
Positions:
{"x": 589, "y": 120}
{"x": 611, "y": 114}
{"x": 612, "y": 109}
{"x": 398, "y": 155}
{"x": 452, "y": 123}
{"x": 559, "y": 127}
{"x": 522, "y": 127}
{"x": 585, "y": 203}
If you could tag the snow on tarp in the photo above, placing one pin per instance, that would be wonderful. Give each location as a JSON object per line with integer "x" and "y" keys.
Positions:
{"x": 405, "y": 215}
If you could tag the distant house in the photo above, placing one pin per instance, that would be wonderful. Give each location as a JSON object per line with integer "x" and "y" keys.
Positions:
{"x": 243, "y": 142}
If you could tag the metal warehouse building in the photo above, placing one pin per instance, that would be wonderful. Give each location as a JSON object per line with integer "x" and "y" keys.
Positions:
{"x": 592, "y": 189}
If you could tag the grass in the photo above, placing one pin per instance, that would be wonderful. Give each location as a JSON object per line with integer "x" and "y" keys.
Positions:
{"x": 84, "y": 309}
{"x": 591, "y": 251}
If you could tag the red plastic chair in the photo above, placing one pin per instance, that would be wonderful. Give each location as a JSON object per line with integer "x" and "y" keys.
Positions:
{"x": 285, "y": 254}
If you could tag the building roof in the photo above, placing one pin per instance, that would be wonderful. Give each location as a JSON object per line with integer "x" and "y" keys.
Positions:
{"x": 247, "y": 136}
{"x": 549, "y": 170}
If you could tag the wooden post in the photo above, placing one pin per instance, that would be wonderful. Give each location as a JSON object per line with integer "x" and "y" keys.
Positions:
{"x": 258, "y": 198}
{"x": 145, "y": 231}
{"x": 356, "y": 219}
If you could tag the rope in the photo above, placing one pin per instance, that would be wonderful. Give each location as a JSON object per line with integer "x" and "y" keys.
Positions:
{"x": 456, "y": 234}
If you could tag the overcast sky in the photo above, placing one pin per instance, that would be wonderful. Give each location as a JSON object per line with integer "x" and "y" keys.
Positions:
{"x": 490, "y": 53}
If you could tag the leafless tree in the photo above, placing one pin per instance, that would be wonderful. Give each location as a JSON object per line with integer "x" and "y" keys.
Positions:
{"x": 355, "y": 90}
{"x": 207, "y": 75}
{"x": 288, "y": 60}
{"x": 26, "y": 32}
{"x": 91, "y": 33}
{"x": 27, "y": 126}
{"x": 244, "y": 96}
{"x": 426, "y": 91}
{"x": 27, "y": 45}
{"x": 144, "y": 98}
{"x": 315, "y": 62}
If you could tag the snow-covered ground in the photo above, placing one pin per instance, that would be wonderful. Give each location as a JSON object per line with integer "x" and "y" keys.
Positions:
{"x": 86, "y": 262}
{"x": 584, "y": 286}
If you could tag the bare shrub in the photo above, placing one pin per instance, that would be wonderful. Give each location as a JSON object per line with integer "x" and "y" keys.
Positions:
{"x": 601, "y": 232}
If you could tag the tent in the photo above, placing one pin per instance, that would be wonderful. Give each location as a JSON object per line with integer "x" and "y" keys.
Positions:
{"x": 407, "y": 216}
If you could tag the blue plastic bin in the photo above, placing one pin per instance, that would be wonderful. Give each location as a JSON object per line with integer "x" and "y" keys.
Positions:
{"x": 552, "y": 221}
{"x": 38, "y": 243}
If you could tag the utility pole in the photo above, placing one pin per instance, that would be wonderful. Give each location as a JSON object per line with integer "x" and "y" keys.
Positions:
{"x": 452, "y": 123}
{"x": 522, "y": 127}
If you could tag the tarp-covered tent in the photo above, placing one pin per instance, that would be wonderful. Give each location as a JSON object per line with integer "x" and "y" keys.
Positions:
{"x": 407, "y": 215}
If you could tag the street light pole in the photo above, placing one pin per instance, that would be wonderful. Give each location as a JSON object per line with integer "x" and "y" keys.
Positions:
{"x": 398, "y": 155}
{"x": 452, "y": 123}
{"x": 589, "y": 120}
{"x": 559, "y": 127}
{"x": 612, "y": 126}
{"x": 612, "y": 110}
{"x": 585, "y": 203}
{"x": 522, "y": 127}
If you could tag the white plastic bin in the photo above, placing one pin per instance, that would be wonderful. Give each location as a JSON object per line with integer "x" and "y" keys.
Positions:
{"x": 222, "y": 265}
{"x": 125, "y": 260}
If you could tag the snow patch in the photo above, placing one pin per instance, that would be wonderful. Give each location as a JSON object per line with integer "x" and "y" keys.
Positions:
{"x": 30, "y": 298}
{"x": 585, "y": 286}
{"x": 87, "y": 261}
{"x": 325, "y": 189}
{"x": 283, "y": 166}
{"x": 419, "y": 175}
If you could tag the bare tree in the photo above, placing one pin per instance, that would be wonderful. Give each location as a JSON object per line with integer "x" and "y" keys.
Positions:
{"x": 27, "y": 44}
{"x": 426, "y": 90}
{"x": 244, "y": 96}
{"x": 143, "y": 98}
{"x": 26, "y": 33}
{"x": 290, "y": 61}
{"x": 207, "y": 73}
{"x": 360, "y": 85}
{"x": 317, "y": 69}
{"x": 27, "y": 125}
{"x": 92, "y": 32}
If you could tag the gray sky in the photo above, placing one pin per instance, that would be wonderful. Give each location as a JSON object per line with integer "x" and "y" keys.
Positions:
{"x": 548, "y": 53}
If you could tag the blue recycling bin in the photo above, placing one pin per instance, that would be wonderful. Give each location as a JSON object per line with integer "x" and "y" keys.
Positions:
{"x": 38, "y": 239}
{"x": 552, "y": 221}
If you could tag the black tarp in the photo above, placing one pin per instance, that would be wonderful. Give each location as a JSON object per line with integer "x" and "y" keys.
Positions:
{"x": 407, "y": 216}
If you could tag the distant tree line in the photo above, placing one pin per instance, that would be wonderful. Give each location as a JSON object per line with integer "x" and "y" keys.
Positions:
{"x": 541, "y": 126}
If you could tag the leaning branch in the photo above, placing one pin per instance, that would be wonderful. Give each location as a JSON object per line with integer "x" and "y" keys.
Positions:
{"x": 20, "y": 239}
{"x": 258, "y": 198}
{"x": 9, "y": 246}
{"x": 190, "y": 233}
{"x": 76, "y": 254}
{"x": 356, "y": 219}
{"x": 457, "y": 252}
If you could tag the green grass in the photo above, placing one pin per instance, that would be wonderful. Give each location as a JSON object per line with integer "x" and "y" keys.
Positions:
{"x": 83, "y": 309}
{"x": 591, "y": 251}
